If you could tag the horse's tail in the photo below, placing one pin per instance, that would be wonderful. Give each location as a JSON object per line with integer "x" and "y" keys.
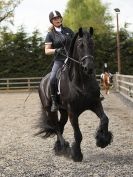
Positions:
{"x": 48, "y": 124}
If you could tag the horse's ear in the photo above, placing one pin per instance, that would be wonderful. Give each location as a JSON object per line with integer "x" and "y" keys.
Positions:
{"x": 80, "y": 32}
{"x": 91, "y": 31}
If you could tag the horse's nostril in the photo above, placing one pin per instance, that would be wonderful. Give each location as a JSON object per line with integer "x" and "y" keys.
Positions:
{"x": 85, "y": 69}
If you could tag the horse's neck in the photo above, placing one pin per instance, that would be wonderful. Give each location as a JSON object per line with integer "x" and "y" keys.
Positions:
{"x": 77, "y": 74}
{"x": 79, "y": 79}
{"x": 73, "y": 71}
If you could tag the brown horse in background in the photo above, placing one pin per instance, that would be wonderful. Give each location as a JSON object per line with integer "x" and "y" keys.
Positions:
{"x": 106, "y": 81}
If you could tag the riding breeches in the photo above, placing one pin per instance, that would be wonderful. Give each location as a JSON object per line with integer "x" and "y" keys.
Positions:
{"x": 53, "y": 80}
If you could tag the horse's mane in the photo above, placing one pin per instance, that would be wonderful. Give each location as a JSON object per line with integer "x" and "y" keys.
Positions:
{"x": 72, "y": 45}
{"x": 70, "y": 54}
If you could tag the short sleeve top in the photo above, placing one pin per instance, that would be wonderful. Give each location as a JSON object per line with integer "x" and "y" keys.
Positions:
{"x": 60, "y": 40}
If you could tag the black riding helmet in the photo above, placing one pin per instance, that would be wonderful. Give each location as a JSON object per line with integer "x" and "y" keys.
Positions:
{"x": 54, "y": 14}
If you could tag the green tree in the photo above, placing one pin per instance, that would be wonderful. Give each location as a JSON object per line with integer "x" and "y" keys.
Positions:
{"x": 87, "y": 13}
{"x": 93, "y": 13}
{"x": 126, "y": 51}
{"x": 105, "y": 51}
{"x": 22, "y": 55}
{"x": 7, "y": 8}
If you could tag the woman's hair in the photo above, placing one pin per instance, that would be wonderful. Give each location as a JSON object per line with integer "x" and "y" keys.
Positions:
{"x": 51, "y": 28}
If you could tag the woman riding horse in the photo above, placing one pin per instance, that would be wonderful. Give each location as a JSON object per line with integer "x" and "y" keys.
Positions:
{"x": 57, "y": 42}
{"x": 79, "y": 91}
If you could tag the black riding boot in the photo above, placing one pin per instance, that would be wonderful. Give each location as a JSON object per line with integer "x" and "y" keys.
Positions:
{"x": 54, "y": 106}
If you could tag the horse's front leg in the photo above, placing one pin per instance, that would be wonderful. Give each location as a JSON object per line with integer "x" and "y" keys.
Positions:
{"x": 103, "y": 136}
{"x": 76, "y": 153}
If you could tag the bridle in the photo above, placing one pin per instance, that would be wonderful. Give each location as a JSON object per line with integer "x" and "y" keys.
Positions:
{"x": 82, "y": 59}
{"x": 87, "y": 56}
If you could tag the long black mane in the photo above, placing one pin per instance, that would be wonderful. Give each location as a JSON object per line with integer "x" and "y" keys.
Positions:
{"x": 72, "y": 45}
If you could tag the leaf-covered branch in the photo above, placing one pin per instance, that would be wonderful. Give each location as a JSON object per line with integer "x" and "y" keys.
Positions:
{"x": 7, "y": 8}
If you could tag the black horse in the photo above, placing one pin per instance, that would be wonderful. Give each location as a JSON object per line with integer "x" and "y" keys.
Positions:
{"x": 79, "y": 91}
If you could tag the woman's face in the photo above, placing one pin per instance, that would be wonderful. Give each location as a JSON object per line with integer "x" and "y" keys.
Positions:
{"x": 57, "y": 21}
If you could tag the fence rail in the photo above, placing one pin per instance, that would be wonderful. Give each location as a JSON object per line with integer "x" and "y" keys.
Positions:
{"x": 19, "y": 83}
{"x": 124, "y": 85}
{"x": 9, "y": 84}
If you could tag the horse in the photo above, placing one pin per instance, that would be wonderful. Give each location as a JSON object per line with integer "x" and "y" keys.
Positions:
{"x": 105, "y": 79}
{"x": 79, "y": 91}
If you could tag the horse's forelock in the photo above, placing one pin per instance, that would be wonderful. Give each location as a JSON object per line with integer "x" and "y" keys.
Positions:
{"x": 80, "y": 32}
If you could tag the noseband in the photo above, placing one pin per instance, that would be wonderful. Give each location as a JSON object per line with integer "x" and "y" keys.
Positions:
{"x": 85, "y": 57}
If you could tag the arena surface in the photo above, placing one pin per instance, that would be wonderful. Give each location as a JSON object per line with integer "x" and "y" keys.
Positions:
{"x": 23, "y": 155}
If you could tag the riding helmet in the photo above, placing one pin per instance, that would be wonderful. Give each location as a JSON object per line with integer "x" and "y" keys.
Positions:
{"x": 54, "y": 14}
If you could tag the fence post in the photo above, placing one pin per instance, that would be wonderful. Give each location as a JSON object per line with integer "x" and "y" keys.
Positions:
{"x": 7, "y": 85}
{"x": 29, "y": 84}
{"x": 117, "y": 83}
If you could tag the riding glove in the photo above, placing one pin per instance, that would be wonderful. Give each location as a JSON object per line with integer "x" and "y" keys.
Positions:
{"x": 59, "y": 51}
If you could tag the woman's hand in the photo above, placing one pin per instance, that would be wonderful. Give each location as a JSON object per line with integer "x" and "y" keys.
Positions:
{"x": 59, "y": 50}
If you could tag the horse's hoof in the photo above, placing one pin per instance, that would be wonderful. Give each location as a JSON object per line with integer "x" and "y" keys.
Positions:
{"x": 62, "y": 149}
{"x": 67, "y": 150}
{"x": 103, "y": 139}
{"x": 77, "y": 158}
{"x": 57, "y": 148}
{"x": 76, "y": 154}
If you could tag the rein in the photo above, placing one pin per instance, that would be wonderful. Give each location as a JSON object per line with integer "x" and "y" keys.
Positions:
{"x": 83, "y": 58}
{"x": 71, "y": 58}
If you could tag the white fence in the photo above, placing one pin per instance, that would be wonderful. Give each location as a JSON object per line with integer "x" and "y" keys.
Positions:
{"x": 10, "y": 84}
{"x": 124, "y": 85}
{"x": 19, "y": 83}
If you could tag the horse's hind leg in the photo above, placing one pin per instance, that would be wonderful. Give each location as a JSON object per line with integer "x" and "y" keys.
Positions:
{"x": 76, "y": 153}
{"x": 107, "y": 89}
{"x": 61, "y": 146}
{"x": 103, "y": 136}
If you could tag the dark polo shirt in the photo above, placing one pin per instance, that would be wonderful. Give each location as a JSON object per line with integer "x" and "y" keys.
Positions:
{"x": 60, "y": 40}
